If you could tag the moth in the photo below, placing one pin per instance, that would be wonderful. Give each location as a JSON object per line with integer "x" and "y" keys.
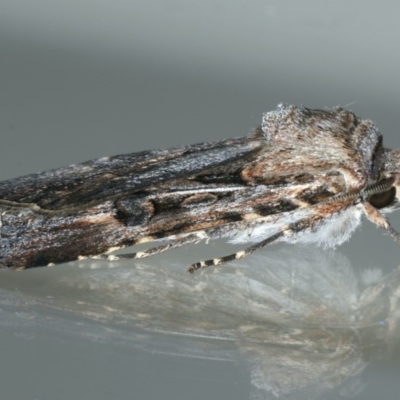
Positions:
{"x": 303, "y": 175}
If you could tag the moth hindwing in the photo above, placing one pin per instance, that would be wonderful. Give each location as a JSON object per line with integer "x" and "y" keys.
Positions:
{"x": 303, "y": 175}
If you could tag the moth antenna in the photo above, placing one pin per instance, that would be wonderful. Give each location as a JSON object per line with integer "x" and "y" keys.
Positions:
{"x": 379, "y": 187}
{"x": 288, "y": 230}
{"x": 240, "y": 254}
{"x": 376, "y": 188}
{"x": 191, "y": 239}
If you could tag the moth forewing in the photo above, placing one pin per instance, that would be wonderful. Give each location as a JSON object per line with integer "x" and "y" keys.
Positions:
{"x": 304, "y": 175}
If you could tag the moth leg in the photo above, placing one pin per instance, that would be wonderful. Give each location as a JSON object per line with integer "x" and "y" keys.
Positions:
{"x": 240, "y": 254}
{"x": 379, "y": 220}
{"x": 191, "y": 239}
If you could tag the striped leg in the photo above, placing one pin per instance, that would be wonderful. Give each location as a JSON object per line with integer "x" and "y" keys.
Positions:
{"x": 191, "y": 239}
{"x": 237, "y": 256}
{"x": 289, "y": 230}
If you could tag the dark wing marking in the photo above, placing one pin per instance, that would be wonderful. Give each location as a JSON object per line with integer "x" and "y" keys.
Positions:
{"x": 161, "y": 214}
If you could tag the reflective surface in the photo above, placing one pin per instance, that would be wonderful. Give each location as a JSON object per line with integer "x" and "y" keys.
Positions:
{"x": 300, "y": 323}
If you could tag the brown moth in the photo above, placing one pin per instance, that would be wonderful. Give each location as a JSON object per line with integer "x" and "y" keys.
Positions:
{"x": 304, "y": 175}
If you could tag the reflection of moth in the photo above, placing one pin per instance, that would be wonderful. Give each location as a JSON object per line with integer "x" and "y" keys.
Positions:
{"x": 306, "y": 175}
{"x": 302, "y": 320}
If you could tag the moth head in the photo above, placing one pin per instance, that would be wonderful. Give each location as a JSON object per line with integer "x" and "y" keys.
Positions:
{"x": 389, "y": 200}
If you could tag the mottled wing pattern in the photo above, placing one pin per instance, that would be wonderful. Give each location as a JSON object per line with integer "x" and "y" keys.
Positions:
{"x": 297, "y": 159}
{"x": 317, "y": 143}
{"x": 96, "y": 181}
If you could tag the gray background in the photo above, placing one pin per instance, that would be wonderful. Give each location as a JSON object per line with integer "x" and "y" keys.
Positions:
{"x": 85, "y": 79}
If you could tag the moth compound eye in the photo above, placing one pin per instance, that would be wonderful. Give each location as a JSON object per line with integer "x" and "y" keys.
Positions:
{"x": 382, "y": 200}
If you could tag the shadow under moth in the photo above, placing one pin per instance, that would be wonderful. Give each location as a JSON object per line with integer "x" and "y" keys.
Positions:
{"x": 304, "y": 175}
